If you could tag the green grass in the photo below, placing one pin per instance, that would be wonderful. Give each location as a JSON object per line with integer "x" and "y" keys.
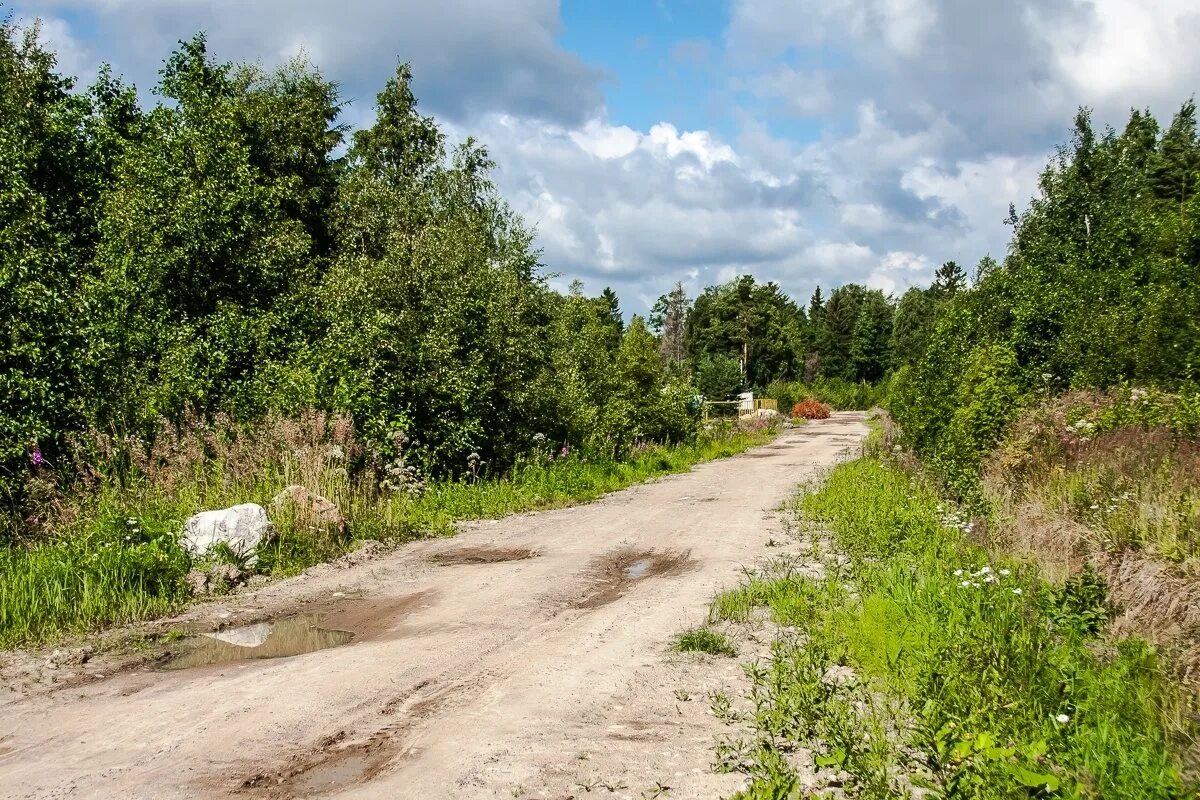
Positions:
{"x": 972, "y": 676}
{"x": 705, "y": 640}
{"x": 117, "y": 559}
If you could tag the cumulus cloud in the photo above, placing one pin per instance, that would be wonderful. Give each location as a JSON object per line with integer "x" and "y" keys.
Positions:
{"x": 1009, "y": 73}
{"x": 469, "y": 57}
{"x": 870, "y": 140}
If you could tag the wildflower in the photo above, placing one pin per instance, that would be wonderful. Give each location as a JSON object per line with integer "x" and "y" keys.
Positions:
{"x": 958, "y": 572}
{"x": 36, "y": 458}
{"x": 1062, "y": 719}
{"x": 1006, "y": 572}
{"x": 566, "y": 451}
{"x": 1017, "y": 591}
{"x": 965, "y": 584}
{"x": 984, "y": 570}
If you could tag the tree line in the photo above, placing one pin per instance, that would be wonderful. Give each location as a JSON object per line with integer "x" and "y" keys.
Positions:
{"x": 746, "y": 335}
{"x": 233, "y": 249}
{"x": 1100, "y": 287}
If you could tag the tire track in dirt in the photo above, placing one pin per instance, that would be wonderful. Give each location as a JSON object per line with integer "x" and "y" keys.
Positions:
{"x": 528, "y": 655}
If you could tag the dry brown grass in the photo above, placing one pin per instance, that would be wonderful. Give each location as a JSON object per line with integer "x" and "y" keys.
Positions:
{"x": 300, "y": 450}
{"x": 1125, "y": 502}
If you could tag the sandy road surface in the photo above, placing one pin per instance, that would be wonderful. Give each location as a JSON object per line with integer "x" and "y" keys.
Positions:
{"x": 528, "y": 657}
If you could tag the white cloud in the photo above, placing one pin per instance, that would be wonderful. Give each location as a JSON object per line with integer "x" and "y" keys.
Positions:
{"x": 930, "y": 117}
{"x": 1124, "y": 50}
{"x": 469, "y": 56}
{"x": 606, "y": 141}
{"x": 665, "y": 139}
{"x": 899, "y": 270}
{"x": 1010, "y": 74}
{"x": 804, "y": 93}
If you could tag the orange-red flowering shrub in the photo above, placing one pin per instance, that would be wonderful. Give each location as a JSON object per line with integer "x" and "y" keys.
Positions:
{"x": 811, "y": 409}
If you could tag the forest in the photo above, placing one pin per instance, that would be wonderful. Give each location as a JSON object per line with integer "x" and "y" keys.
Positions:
{"x": 235, "y": 252}
{"x": 233, "y": 257}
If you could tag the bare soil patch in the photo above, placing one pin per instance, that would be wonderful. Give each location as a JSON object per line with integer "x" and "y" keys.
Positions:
{"x": 482, "y": 555}
{"x": 612, "y": 574}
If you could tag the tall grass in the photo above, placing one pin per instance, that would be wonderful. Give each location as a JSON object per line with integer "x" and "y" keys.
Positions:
{"x": 969, "y": 675}
{"x": 1125, "y": 465}
{"x": 108, "y": 552}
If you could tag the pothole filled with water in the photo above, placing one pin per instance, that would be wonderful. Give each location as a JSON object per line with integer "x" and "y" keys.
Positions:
{"x": 638, "y": 569}
{"x": 291, "y": 636}
{"x": 614, "y": 572}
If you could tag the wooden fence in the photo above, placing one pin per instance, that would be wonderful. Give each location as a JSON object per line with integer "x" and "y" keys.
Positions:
{"x": 731, "y": 409}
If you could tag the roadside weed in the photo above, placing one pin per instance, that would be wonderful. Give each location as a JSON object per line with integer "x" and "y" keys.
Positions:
{"x": 705, "y": 640}
{"x": 926, "y": 663}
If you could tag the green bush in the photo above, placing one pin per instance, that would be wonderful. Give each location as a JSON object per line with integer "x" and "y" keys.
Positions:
{"x": 988, "y": 397}
{"x": 719, "y": 377}
{"x": 841, "y": 394}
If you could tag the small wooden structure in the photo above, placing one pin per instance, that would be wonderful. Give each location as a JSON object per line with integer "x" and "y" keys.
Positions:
{"x": 746, "y": 404}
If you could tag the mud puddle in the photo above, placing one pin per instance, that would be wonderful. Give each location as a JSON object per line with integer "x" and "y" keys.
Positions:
{"x": 612, "y": 574}
{"x": 482, "y": 555}
{"x": 333, "y": 766}
{"x": 281, "y": 638}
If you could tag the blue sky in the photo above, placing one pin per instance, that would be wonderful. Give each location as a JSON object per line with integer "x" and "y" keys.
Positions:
{"x": 803, "y": 141}
{"x": 657, "y": 56}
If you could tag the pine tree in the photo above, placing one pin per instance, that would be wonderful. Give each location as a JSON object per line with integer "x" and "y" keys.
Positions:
{"x": 816, "y": 306}
{"x": 949, "y": 280}
{"x": 1173, "y": 171}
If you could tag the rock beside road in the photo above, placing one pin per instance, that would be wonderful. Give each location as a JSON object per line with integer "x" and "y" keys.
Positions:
{"x": 309, "y": 509}
{"x": 240, "y": 527}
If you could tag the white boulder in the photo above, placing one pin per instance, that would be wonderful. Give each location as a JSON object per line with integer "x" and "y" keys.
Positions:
{"x": 240, "y": 527}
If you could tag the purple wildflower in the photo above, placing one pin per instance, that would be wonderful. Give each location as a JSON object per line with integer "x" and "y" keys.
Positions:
{"x": 36, "y": 458}
{"x": 566, "y": 451}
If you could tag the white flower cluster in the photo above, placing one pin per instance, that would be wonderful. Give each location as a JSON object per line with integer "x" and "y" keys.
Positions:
{"x": 975, "y": 579}
{"x": 954, "y": 518}
{"x": 1113, "y": 503}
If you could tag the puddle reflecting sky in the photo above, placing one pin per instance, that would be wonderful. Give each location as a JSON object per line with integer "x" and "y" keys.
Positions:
{"x": 278, "y": 639}
{"x": 637, "y": 569}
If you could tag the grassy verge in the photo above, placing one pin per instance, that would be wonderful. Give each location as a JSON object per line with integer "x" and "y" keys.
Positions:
{"x": 116, "y": 558}
{"x": 917, "y": 661}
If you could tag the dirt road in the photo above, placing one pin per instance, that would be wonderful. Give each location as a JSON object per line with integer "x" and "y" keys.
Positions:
{"x": 528, "y": 657}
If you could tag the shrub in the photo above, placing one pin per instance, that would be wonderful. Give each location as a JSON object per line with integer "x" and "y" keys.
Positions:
{"x": 810, "y": 409}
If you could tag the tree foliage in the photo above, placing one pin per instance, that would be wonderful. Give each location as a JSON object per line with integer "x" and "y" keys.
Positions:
{"x": 219, "y": 252}
{"x": 1098, "y": 288}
